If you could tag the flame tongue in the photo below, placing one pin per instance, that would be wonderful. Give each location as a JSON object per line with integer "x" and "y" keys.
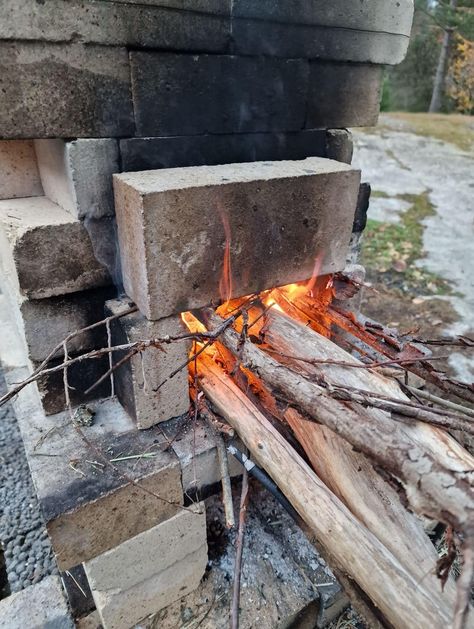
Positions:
{"x": 225, "y": 283}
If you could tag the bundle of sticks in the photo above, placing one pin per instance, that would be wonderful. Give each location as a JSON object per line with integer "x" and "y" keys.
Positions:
{"x": 355, "y": 455}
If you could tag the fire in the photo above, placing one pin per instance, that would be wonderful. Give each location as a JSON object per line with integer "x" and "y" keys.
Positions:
{"x": 225, "y": 283}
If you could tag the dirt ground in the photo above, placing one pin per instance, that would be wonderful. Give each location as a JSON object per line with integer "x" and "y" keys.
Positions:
{"x": 419, "y": 244}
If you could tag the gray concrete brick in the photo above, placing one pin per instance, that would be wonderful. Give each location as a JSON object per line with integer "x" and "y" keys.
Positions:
{"x": 19, "y": 175}
{"x": 64, "y": 90}
{"x": 36, "y": 607}
{"x": 194, "y": 94}
{"x": 257, "y": 37}
{"x": 219, "y": 7}
{"x": 339, "y": 145}
{"x": 130, "y": 582}
{"x": 201, "y": 150}
{"x": 142, "y": 24}
{"x": 45, "y": 252}
{"x": 343, "y": 95}
{"x": 391, "y": 16}
{"x": 137, "y": 382}
{"x": 172, "y": 235}
{"x": 78, "y": 175}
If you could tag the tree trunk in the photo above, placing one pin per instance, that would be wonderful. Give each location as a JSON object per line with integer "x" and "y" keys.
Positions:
{"x": 441, "y": 70}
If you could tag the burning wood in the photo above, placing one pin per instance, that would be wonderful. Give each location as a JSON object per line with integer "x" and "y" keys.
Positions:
{"x": 372, "y": 447}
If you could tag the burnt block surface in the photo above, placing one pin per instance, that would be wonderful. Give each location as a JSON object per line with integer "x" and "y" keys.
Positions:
{"x": 45, "y": 252}
{"x": 211, "y": 150}
{"x": 137, "y": 382}
{"x": 192, "y": 94}
{"x": 280, "y": 217}
{"x": 64, "y": 90}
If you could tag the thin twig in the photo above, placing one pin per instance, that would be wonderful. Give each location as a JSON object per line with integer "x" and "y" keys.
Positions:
{"x": 65, "y": 380}
{"x": 440, "y": 401}
{"x": 111, "y": 360}
{"x": 238, "y": 551}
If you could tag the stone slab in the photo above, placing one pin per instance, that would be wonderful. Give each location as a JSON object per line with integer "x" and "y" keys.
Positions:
{"x": 64, "y": 90}
{"x": 115, "y": 24}
{"x": 172, "y": 226}
{"x": 194, "y": 94}
{"x": 36, "y": 607}
{"x": 137, "y": 382}
{"x": 201, "y": 150}
{"x": 195, "y": 446}
{"x": 19, "y": 176}
{"x": 78, "y": 175}
{"x": 339, "y": 145}
{"x": 126, "y": 608}
{"x": 390, "y": 16}
{"x": 351, "y": 92}
{"x": 132, "y": 563}
{"x": 46, "y": 252}
{"x": 257, "y": 37}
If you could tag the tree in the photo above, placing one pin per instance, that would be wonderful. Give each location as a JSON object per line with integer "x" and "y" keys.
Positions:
{"x": 440, "y": 78}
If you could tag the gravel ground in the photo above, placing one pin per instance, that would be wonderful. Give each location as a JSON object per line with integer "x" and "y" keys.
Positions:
{"x": 28, "y": 552}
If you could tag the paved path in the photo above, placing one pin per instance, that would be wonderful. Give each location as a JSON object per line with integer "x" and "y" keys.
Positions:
{"x": 398, "y": 162}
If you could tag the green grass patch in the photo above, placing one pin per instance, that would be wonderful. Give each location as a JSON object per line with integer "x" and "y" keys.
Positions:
{"x": 392, "y": 250}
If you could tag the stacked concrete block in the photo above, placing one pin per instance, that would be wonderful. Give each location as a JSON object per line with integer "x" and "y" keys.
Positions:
{"x": 147, "y": 385}
{"x": 164, "y": 564}
{"x": 19, "y": 176}
{"x": 299, "y": 210}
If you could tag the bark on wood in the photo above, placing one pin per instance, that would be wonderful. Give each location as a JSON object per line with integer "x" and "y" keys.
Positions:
{"x": 435, "y": 470}
{"x": 403, "y": 600}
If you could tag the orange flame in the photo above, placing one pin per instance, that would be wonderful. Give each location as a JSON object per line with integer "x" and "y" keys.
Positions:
{"x": 225, "y": 283}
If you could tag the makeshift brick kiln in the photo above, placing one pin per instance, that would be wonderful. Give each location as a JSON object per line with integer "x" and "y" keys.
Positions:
{"x": 227, "y": 123}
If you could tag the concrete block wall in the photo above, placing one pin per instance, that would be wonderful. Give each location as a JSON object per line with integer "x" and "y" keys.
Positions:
{"x": 98, "y": 87}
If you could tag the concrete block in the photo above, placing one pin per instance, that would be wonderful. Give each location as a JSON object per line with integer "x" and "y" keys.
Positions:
{"x": 36, "y": 607}
{"x": 78, "y": 175}
{"x": 172, "y": 228}
{"x": 390, "y": 16}
{"x": 43, "y": 323}
{"x": 64, "y": 90}
{"x": 194, "y": 94}
{"x": 19, "y": 175}
{"x": 202, "y": 150}
{"x": 130, "y": 582}
{"x": 81, "y": 376}
{"x": 218, "y": 7}
{"x": 111, "y": 23}
{"x": 46, "y": 252}
{"x": 257, "y": 37}
{"x": 137, "y": 382}
{"x": 339, "y": 145}
{"x": 343, "y": 95}
{"x": 195, "y": 447}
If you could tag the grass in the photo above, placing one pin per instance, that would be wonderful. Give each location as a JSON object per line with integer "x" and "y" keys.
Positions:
{"x": 453, "y": 128}
{"x": 392, "y": 250}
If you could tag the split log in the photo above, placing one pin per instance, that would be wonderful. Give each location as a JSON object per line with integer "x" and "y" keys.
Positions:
{"x": 435, "y": 470}
{"x": 404, "y": 601}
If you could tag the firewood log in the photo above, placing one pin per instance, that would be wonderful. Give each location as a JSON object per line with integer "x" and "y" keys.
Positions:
{"x": 403, "y": 600}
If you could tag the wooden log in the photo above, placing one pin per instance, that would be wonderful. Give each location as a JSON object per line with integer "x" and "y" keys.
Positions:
{"x": 403, "y": 600}
{"x": 435, "y": 471}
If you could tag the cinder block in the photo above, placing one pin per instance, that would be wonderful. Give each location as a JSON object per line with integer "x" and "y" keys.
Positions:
{"x": 36, "y": 607}
{"x": 390, "y": 16}
{"x": 172, "y": 227}
{"x": 130, "y": 582}
{"x": 19, "y": 175}
{"x": 277, "y": 39}
{"x": 78, "y": 175}
{"x": 81, "y": 376}
{"x": 209, "y": 150}
{"x": 194, "y": 94}
{"x": 43, "y": 323}
{"x": 339, "y": 145}
{"x": 218, "y": 7}
{"x": 115, "y": 23}
{"x": 137, "y": 382}
{"x": 195, "y": 446}
{"x": 90, "y": 507}
{"x": 343, "y": 95}
{"x": 46, "y": 252}
{"x": 64, "y": 90}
